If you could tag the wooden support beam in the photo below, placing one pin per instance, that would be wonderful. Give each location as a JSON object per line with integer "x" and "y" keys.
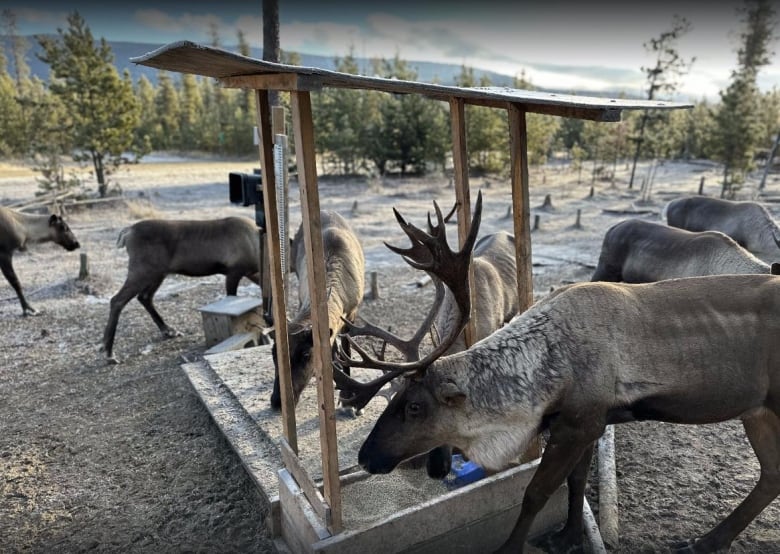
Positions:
{"x": 518, "y": 147}
{"x": 312, "y": 234}
{"x": 273, "y": 81}
{"x": 518, "y": 150}
{"x": 279, "y": 305}
{"x": 461, "y": 177}
{"x": 307, "y": 485}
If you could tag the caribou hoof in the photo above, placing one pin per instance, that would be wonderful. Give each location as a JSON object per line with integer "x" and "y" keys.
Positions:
{"x": 559, "y": 542}
{"x": 111, "y": 360}
{"x": 348, "y": 412}
{"x": 30, "y": 311}
{"x": 171, "y": 333}
{"x": 694, "y": 546}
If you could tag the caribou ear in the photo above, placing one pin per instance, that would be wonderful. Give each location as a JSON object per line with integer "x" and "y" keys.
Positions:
{"x": 775, "y": 269}
{"x": 450, "y": 393}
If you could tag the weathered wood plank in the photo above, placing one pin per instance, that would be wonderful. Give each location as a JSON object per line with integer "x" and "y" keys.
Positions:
{"x": 273, "y": 248}
{"x": 189, "y": 57}
{"x": 312, "y": 235}
{"x": 460, "y": 163}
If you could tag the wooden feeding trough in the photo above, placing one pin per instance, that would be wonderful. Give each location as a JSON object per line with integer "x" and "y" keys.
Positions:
{"x": 310, "y": 511}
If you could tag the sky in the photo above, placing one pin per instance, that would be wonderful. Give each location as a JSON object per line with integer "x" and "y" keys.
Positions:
{"x": 556, "y": 44}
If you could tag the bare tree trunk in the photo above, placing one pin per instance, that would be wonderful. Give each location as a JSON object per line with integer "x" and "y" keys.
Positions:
{"x": 768, "y": 165}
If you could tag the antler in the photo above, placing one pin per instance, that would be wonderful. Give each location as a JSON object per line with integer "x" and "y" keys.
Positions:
{"x": 429, "y": 252}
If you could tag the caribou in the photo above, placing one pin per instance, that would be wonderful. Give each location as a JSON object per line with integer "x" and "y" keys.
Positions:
{"x": 17, "y": 231}
{"x": 748, "y": 223}
{"x": 157, "y": 248}
{"x": 345, "y": 281}
{"x": 495, "y": 276}
{"x": 694, "y": 350}
{"x": 638, "y": 251}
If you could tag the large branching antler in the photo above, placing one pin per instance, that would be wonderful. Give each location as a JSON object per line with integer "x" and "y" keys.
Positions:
{"x": 429, "y": 252}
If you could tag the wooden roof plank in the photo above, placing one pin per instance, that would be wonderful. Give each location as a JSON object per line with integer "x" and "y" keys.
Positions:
{"x": 240, "y": 71}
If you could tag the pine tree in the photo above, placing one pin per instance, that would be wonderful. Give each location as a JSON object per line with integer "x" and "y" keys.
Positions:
{"x": 738, "y": 119}
{"x": 103, "y": 112}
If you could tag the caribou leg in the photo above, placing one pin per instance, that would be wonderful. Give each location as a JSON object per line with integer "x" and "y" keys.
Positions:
{"x": 569, "y": 445}
{"x": 763, "y": 432}
{"x": 7, "y": 267}
{"x": 570, "y": 537}
{"x": 146, "y": 297}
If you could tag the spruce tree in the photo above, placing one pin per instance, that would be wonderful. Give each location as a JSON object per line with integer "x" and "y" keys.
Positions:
{"x": 738, "y": 118}
{"x": 102, "y": 111}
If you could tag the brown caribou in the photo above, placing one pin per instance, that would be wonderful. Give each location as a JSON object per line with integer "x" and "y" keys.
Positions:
{"x": 638, "y": 251}
{"x": 159, "y": 247}
{"x": 495, "y": 277}
{"x": 748, "y": 223}
{"x": 345, "y": 282}
{"x": 694, "y": 350}
{"x": 17, "y": 231}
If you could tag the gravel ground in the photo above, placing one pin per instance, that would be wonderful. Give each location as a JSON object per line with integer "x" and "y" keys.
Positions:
{"x": 126, "y": 459}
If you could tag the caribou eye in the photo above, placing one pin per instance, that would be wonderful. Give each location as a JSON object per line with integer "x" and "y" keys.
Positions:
{"x": 414, "y": 409}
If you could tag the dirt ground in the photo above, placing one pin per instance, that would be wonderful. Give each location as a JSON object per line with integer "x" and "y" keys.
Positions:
{"x": 95, "y": 457}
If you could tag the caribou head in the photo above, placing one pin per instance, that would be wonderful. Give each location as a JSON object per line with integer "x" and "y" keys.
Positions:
{"x": 411, "y": 411}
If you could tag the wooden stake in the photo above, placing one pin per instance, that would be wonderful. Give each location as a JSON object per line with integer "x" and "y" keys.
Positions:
{"x": 84, "y": 267}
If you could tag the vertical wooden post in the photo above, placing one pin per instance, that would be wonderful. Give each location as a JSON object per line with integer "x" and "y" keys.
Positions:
{"x": 518, "y": 149}
{"x": 275, "y": 270}
{"x": 303, "y": 130}
{"x": 461, "y": 177}
{"x": 84, "y": 266}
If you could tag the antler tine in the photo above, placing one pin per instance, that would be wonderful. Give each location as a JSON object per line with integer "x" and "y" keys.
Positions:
{"x": 452, "y": 269}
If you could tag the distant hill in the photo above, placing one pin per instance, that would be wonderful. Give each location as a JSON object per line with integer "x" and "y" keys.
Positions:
{"x": 123, "y": 51}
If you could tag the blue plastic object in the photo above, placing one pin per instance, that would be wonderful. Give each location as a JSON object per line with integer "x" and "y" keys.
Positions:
{"x": 463, "y": 472}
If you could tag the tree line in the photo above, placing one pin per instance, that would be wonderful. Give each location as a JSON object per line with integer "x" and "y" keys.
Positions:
{"x": 90, "y": 113}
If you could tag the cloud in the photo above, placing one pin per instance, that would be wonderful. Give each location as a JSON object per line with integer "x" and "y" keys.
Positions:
{"x": 41, "y": 17}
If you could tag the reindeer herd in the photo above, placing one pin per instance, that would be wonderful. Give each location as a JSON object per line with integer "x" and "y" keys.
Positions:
{"x": 679, "y": 323}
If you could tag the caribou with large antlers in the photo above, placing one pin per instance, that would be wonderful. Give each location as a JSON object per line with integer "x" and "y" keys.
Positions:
{"x": 695, "y": 350}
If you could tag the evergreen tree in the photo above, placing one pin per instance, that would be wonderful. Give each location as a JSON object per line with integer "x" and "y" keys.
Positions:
{"x": 738, "y": 118}
{"x": 102, "y": 110}
{"x": 190, "y": 111}
{"x": 486, "y": 128}
{"x": 146, "y": 131}
{"x": 168, "y": 109}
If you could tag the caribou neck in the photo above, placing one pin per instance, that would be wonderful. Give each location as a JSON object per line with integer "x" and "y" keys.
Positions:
{"x": 35, "y": 227}
{"x": 512, "y": 386}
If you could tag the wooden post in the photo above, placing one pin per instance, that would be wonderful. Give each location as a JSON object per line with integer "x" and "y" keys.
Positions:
{"x": 374, "y": 286}
{"x": 518, "y": 149}
{"x": 461, "y": 176}
{"x": 279, "y": 305}
{"x": 608, "y": 503}
{"x": 315, "y": 257}
{"x": 84, "y": 266}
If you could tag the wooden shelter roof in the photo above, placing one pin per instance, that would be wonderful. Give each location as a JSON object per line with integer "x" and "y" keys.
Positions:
{"x": 237, "y": 71}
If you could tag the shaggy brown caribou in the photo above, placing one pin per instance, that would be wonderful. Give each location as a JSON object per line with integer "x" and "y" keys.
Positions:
{"x": 495, "y": 276}
{"x": 344, "y": 282}
{"x": 17, "y": 231}
{"x": 748, "y": 223}
{"x": 695, "y": 350}
{"x": 159, "y": 247}
{"x": 638, "y": 251}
